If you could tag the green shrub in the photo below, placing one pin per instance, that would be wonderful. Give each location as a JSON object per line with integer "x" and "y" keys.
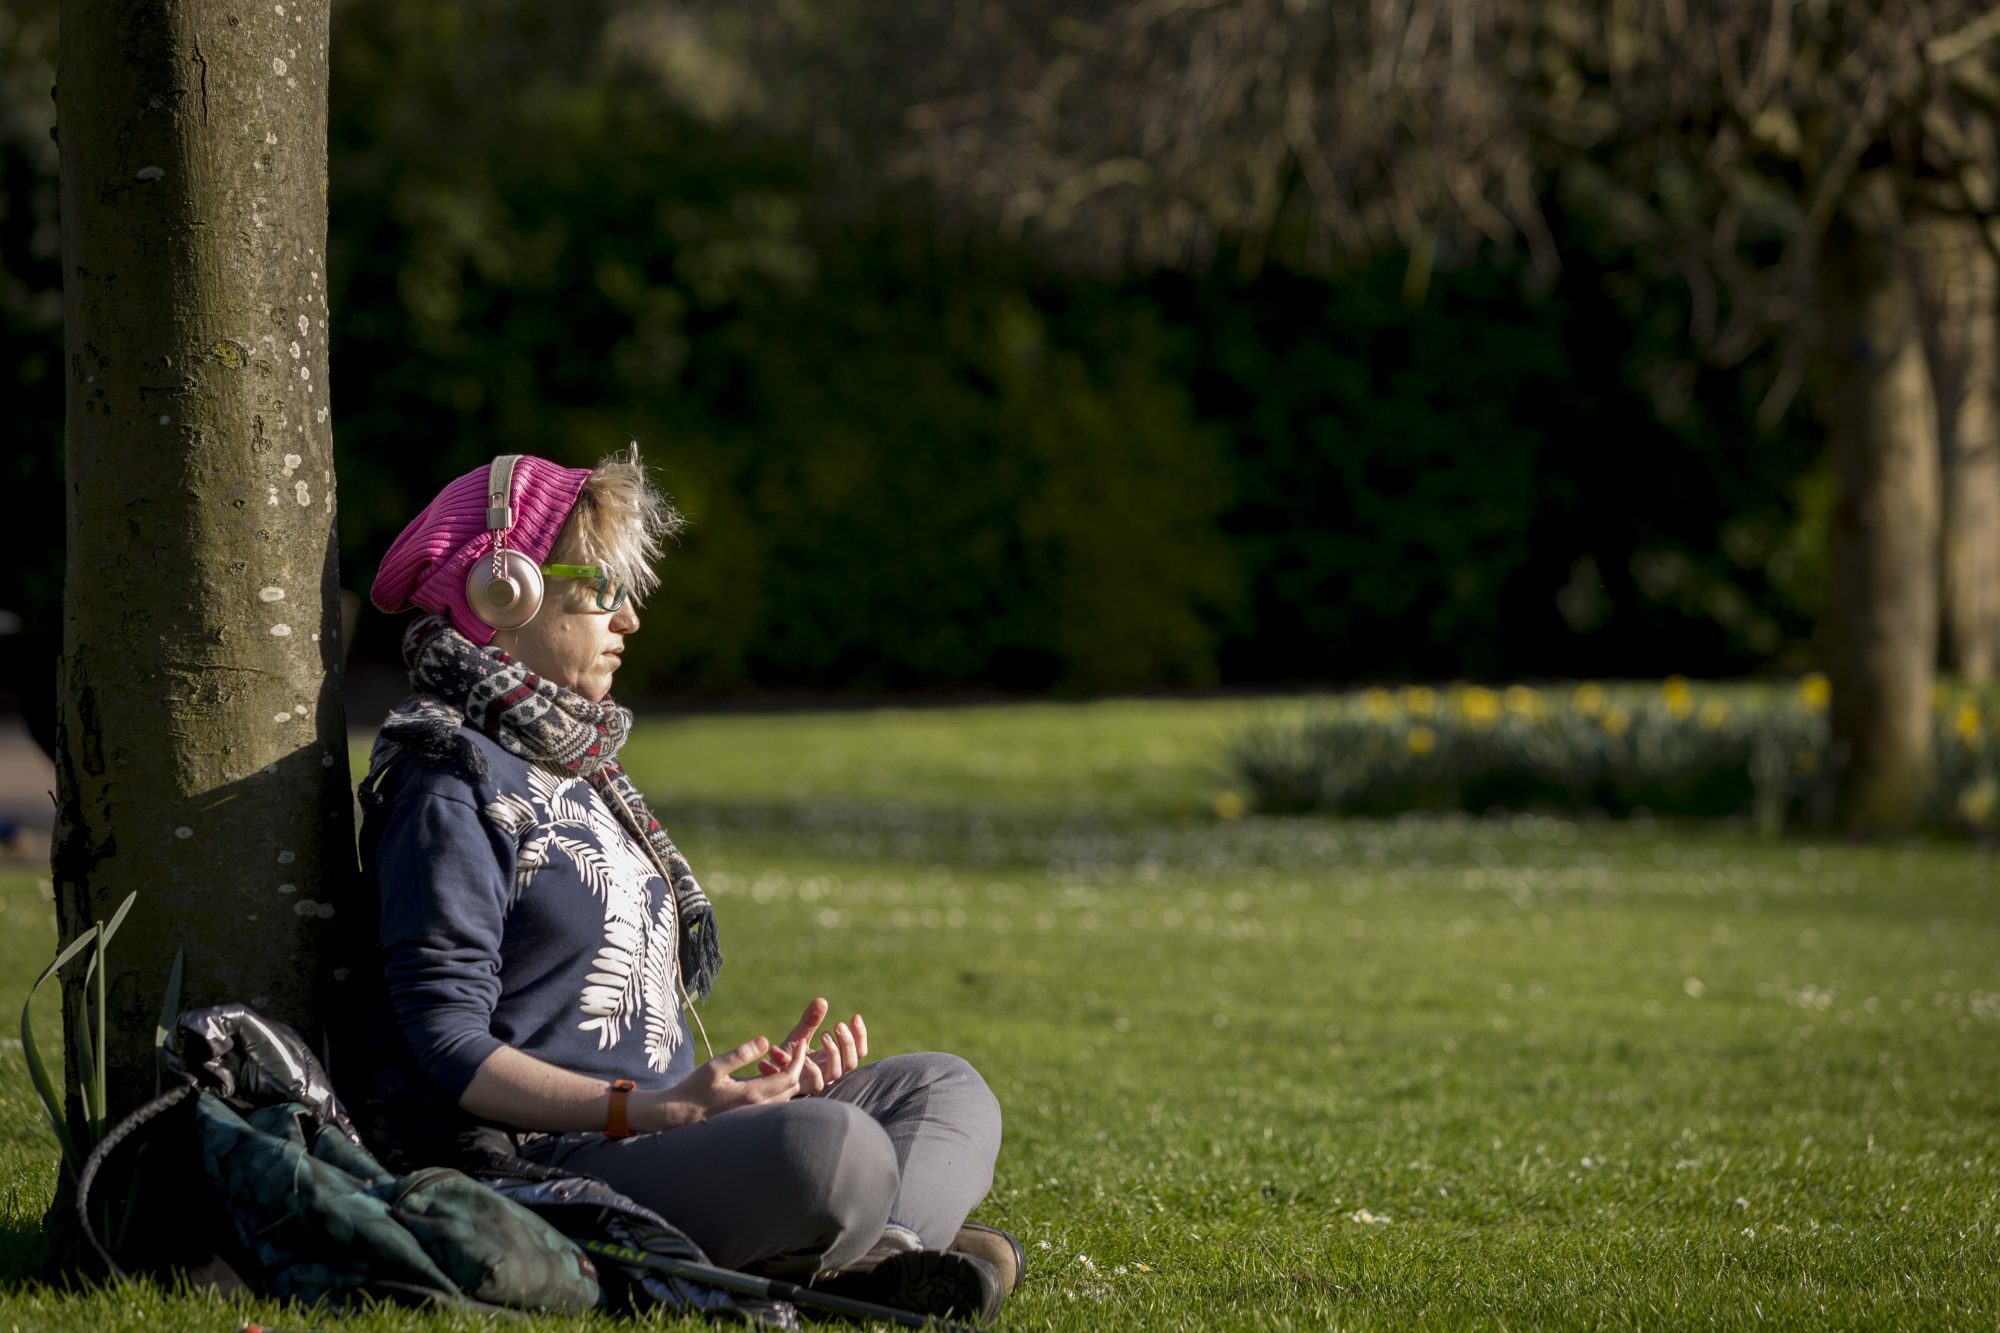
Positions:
{"x": 1676, "y": 747}
{"x": 919, "y": 457}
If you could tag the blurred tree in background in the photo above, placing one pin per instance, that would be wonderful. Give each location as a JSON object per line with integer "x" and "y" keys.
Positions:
{"x": 1813, "y": 169}
{"x": 925, "y": 447}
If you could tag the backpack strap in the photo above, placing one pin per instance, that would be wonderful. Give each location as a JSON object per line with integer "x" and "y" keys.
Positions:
{"x": 122, "y": 1131}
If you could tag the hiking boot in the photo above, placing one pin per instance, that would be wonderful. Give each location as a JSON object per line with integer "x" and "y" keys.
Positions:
{"x": 929, "y": 1282}
{"x": 996, "y": 1247}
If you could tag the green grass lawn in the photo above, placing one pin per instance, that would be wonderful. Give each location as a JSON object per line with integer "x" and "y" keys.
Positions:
{"x": 1117, "y": 758}
{"x": 1511, "y": 1073}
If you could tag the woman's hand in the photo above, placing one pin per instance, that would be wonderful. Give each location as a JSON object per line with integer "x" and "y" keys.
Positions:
{"x": 713, "y": 1089}
{"x": 514, "y": 1088}
{"x": 839, "y": 1053}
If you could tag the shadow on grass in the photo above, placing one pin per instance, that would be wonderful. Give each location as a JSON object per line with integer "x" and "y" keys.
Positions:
{"x": 25, "y": 1253}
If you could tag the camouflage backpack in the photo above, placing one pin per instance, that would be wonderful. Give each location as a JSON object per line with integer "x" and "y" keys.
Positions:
{"x": 247, "y": 1172}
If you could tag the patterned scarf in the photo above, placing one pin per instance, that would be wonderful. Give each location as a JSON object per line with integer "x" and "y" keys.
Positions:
{"x": 457, "y": 681}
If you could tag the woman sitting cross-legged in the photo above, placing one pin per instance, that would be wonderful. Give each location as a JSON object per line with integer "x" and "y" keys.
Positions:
{"x": 538, "y": 932}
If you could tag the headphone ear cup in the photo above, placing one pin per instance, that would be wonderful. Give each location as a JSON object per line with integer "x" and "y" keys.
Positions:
{"x": 509, "y": 601}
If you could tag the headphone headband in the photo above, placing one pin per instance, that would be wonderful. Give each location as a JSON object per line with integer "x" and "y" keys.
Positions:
{"x": 505, "y": 590}
{"x": 500, "y": 493}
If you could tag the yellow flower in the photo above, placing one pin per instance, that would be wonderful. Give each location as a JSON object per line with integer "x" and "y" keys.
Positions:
{"x": 1976, "y": 803}
{"x": 1816, "y": 691}
{"x": 1680, "y": 700}
{"x": 1588, "y": 700}
{"x": 1480, "y": 707}
{"x": 1229, "y": 805}
{"x": 1967, "y": 721}
{"x": 1524, "y": 702}
{"x": 1381, "y": 705}
{"x": 1713, "y": 714}
{"x": 1419, "y": 699}
{"x": 1422, "y": 740}
{"x": 1615, "y": 721}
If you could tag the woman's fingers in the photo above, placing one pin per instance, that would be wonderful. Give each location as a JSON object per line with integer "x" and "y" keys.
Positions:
{"x": 801, "y": 1065}
{"x": 788, "y": 1082}
{"x": 768, "y": 1085}
{"x": 850, "y": 1048}
{"x": 808, "y": 1024}
{"x": 829, "y": 1057}
{"x": 713, "y": 1088}
{"x": 732, "y": 1060}
{"x": 839, "y": 1045}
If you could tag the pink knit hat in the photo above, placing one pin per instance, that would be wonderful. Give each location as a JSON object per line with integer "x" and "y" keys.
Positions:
{"x": 427, "y": 565}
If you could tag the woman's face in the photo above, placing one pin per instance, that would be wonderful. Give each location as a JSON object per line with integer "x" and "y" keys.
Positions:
{"x": 571, "y": 643}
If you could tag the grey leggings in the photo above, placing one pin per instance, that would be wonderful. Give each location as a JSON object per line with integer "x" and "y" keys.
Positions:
{"x": 796, "y": 1187}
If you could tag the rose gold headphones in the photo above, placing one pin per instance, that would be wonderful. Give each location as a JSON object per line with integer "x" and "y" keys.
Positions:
{"x": 505, "y": 591}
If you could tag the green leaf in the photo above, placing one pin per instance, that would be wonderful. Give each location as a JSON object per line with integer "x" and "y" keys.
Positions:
{"x": 100, "y": 1050}
{"x": 163, "y": 1031}
{"x": 86, "y": 1073}
{"x": 118, "y": 917}
{"x": 38, "y": 1069}
{"x": 98, "y": 1085}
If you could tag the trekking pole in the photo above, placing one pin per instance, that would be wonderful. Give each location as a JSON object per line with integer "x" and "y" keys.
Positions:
{"x": 770, "y": 1288}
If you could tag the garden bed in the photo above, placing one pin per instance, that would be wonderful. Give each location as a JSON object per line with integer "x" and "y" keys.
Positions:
{"x": 1761, "y": 751}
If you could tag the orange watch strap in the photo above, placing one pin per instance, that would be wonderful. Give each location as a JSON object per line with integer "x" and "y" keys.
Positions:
{"x": 614, "y": 1122}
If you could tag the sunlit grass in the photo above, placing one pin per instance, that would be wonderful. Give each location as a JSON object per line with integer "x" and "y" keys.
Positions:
{"x": 1119, "y": 757}
{"x": 1518, "y": 1072}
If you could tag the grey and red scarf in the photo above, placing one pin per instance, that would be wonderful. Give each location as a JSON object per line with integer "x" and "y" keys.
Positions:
{"x": 457, "y": 682}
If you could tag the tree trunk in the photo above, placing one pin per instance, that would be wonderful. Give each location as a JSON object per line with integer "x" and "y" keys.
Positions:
{"x": 202, "y": 751}
{"x": 1960, "y": 304}
{"x": 1884, "y": 434}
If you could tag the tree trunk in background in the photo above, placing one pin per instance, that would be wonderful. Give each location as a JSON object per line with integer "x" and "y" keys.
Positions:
{"x": 1883, "y": 426}
{"x": 1960, "y": 303}
{"x": 202, "y": 751}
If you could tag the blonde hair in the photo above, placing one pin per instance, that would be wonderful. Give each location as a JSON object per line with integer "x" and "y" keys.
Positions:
{"x": 618, "y": 521}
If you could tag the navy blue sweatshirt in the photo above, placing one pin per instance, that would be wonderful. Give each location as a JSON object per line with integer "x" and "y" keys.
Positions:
{"x": 516, "y": 910}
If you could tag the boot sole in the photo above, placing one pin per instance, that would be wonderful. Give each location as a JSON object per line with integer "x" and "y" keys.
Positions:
{"x": 933, "y": 1282}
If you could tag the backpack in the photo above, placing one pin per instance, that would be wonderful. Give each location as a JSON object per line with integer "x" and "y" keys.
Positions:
{"x": 248, "y": 1173}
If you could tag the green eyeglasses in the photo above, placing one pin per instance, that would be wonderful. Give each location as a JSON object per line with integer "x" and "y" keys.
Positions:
{"x": 610, "y": 592}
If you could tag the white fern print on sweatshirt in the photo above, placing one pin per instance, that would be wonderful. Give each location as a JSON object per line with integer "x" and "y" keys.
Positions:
{"x": 520, "y": 820}
{"x": 632, "y": 983}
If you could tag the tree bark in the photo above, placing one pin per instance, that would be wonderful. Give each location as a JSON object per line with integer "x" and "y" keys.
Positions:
{"x": 202, "y": 754}
{"x": 1884, "y": 437}
{"x": 1960, "y": 304}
